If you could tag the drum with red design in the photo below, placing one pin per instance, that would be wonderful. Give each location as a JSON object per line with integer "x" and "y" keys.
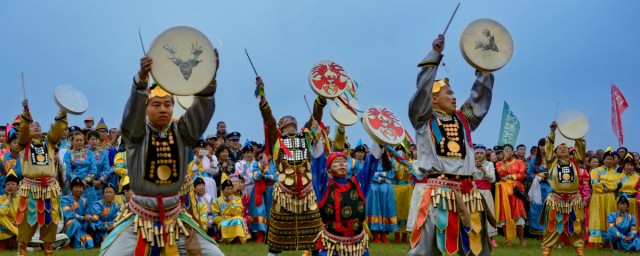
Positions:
{"x": 328, "y": 79}
{"x": 383, "y": 126}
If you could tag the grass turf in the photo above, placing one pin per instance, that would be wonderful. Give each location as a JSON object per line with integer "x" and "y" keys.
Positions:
{"x": 251, "y": 248}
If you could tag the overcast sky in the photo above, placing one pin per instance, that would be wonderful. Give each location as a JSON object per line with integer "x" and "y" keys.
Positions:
{"x": 565, "y": 52}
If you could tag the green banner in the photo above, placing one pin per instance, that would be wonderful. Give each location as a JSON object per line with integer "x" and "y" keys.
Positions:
{"x": 510, "y": 127}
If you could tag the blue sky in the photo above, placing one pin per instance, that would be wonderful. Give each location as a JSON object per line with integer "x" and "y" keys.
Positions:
{"x": 566, "y": 52}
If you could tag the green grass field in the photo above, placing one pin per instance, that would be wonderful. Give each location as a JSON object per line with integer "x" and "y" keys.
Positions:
{"x": 251, "y": 248}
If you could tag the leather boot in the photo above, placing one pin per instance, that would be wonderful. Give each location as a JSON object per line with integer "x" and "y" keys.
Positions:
{"x": 397, "y": 239}
{"x": 580, "y": 251}
{"x": 376, "y": 237}
{"x": 48, "y": 249}
{"x": 260, "y": 237}
{"x": 22, "y": 249}
{"x": 405, "y": 237}
{"x": 546, "y": 251}
{"x": 383, "y": 238}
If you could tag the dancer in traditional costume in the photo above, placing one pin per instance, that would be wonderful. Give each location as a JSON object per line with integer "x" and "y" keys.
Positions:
{"x": 227, "y": 215}
{"x": 483, "y": 177}
{"x": 9, "y": 202}
{"x": 264, "y": 176}
{"x": 77, "y": 216}
{"x": 157, "y": 160}
{"x": 381, "y": 205}
{"x": 509, "y": 205}
{"x": 39, "y": 187}
{"x": 443, "y": 136}
{"x": 294, "y": 202}
{"x": 342, "y": 201}
{"x": 622, "y": 233}
{"x": 604, "y": 183}
{"x": 563, "y": 212}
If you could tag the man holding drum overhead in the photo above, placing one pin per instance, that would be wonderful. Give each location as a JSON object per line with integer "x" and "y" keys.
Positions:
{"x": 446, "y": 157}
{"x": 157, "y": 152}
{"x": 39, "y": 186}
{"x": 294, "y": 219}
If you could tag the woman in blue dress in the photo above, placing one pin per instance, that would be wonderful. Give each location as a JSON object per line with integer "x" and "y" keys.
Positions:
{"x": 538, "y": 170}
{"x": 381, "y": 203}
{"x": 81, "y": 162}
{"x": 264, "y": 176}
{"x": 103, "y": 169}
{"x": 622, "y": 233}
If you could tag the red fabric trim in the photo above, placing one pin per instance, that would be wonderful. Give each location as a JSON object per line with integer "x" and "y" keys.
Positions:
{"x": 267, "y": 146}
{"x": 141, "y": 246}
{"x": 482, "y": 184}
{"x": 259, "y": 188}
{"x": 452, "y": 233}
{"x": 466, "y": 127}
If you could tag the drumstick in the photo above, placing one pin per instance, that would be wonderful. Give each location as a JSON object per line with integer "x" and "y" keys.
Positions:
{"x": 144, "y": 52}
{"x": 450, "y": 19}
{"x": 24, "y": 90}
{"x": 308, "y": 108}
{"x": 251, "y": 62}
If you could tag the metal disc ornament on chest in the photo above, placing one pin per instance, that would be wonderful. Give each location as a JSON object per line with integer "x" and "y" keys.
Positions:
{"x": 162, "y": 159}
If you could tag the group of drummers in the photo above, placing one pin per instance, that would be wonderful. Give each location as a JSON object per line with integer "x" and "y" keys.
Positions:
{"x": 156, "y": 187}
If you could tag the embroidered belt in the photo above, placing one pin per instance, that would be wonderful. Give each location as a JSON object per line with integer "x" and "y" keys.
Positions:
{"x": 149, "y": 214}
{"x": 40, "y": 188}
{"x": 305, "y": 190}
{"x": 344, "y": 246}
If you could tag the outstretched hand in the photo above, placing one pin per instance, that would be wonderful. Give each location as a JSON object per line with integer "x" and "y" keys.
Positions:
{"x": 25, "y": 103}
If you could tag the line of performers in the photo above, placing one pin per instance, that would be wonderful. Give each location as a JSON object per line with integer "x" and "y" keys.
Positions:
{"x": 317, "y": 206}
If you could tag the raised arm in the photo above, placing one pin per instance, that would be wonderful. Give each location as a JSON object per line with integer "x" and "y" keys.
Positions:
{"x": 420, "y": 106}
{"x": 132, "y": 126}
{"x": 57, "y": 130}
{"x": 24, "y": 134}
{"x": 549, "y": 145}
{"x": 340, "y": 139}
{"x": 195, "y": 120}
{"x": 318, "y": 108}
{"x": 267, "y": 118}
{"x": 476, "y": 107}
{"x": 581, "y": 149}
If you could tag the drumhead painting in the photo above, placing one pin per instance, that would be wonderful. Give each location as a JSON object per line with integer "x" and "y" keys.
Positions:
{"x": 184, "y": 60}
{"x": 328, "y": 79}
{"x": 383, "y": 126}
{"x": 486, "y": 45}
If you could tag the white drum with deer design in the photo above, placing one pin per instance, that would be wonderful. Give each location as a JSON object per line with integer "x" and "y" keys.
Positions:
{"x": 486, "y": 45}
{"x": 184, "y": 60}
